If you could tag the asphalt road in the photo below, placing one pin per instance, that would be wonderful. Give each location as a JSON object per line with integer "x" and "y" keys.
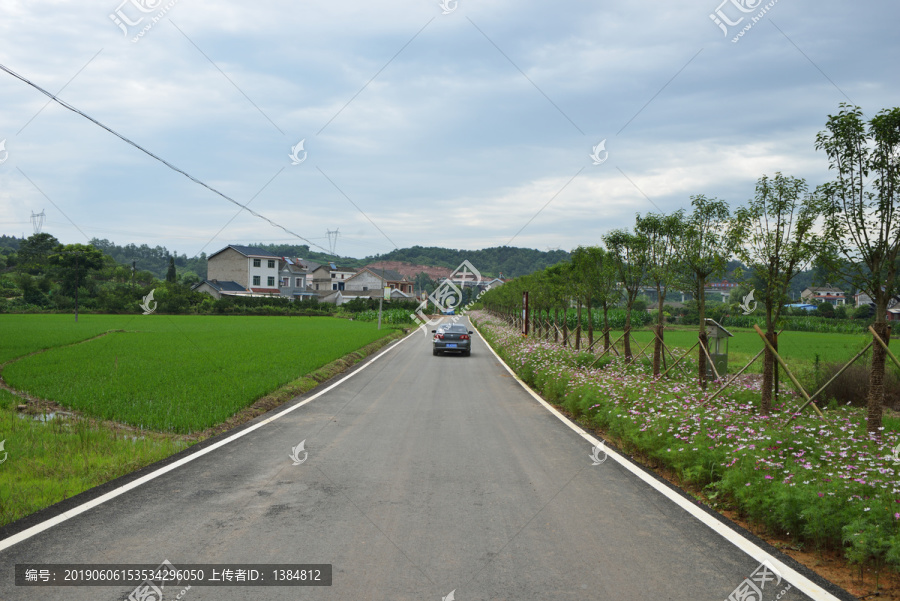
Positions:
{"x": 424, "y": 476}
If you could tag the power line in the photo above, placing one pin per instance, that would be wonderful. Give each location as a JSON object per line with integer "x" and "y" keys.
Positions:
{"x": 68, "y": 106}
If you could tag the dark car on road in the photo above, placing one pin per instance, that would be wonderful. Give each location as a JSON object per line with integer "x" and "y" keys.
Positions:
{"x": 452, "y": 339}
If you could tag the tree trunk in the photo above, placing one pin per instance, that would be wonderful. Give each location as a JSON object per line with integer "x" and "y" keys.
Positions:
{"x": 590, "y": 326}
{"x": 701, "y": 310}
{"x": 578, "y": 327}
{"x": 555, "y": 324}
{"x": 768, "y": 374}
{"x": 876, "y": 378}
{"x": 565, "y": 326}
{"x": 628, "y": 334}
{"x": 605, "y": 327}
{"x": 658, "y": 343}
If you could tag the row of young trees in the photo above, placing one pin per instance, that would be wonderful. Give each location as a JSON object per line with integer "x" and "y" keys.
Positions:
{"x": 848, "y": 224}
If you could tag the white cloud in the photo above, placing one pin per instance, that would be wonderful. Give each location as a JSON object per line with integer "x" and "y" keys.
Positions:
{"x": 449, "y": 136}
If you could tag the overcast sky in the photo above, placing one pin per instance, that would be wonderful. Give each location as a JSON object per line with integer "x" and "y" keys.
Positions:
{"x": 469, "y": 129}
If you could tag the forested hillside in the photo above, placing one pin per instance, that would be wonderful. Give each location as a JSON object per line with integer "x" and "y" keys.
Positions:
{"x": 155, "y": 259}
{"x": 507, "y": 260}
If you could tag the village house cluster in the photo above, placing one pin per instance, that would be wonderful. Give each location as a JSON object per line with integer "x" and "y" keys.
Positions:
{"x": 248, "y": 271}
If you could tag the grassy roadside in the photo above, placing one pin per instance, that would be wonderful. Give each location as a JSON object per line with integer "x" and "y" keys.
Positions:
{"x": 822, "y": 485}
{"x": 49, "y": 460}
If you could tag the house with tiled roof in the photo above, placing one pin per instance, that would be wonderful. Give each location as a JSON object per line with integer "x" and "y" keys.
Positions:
{"x": 339, "y": 297}
{"x": 377, "y": 279}
{"x": 293, "y": 278}
{"x": 237, "y": 267}
{"x": 326, "y": 278}
{"x": 824, "y": 294}
{"x": 218, "y": 289}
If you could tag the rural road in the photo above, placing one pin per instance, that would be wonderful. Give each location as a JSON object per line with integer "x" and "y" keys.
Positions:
{"x": 424, "y": 476}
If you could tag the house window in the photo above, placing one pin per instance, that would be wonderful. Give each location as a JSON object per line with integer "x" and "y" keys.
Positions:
{"x": 256, "y": 280}
{"x": 334, "y": 286}
{"x": 256, "y": 262}
{"x": 285, "y": 282}
{"x": 270, "y": 281}
{"x": 299, "y": 283}
{"x": 333, "y": 275}
{"x": 365, "y": 288}
{"x": 271, "y": 263}
{"x": 317, "y": 286}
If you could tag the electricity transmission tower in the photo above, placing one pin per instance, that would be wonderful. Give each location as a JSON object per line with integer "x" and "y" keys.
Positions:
{"x": 37, "y": 220}
{"x": 332, "y": 239}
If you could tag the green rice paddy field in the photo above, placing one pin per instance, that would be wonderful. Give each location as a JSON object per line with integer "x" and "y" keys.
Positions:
{"x": 799, "y": 349}
{"x": 175, "y": 374}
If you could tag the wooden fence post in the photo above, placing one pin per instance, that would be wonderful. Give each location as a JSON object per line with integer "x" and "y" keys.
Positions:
{"x": 786, "y": 370}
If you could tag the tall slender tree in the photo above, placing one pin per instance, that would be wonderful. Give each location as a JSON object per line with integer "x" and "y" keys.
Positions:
{"x": 630, "y": 251}
{"x": 861, "y": 220}
{"x": 586, "y": 267}
{"x": 661, "y": 234}
{"x": 703, "y": 253}
{"x": 171, "y": 274}
{"x": 608, "y": 293}
{"x": 558, "y": 278}
{"x": 773, "y": 236}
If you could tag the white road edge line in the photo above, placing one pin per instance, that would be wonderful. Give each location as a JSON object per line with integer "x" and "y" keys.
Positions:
{"x": 38, "y": 528}
{"x": 795, "y": 578}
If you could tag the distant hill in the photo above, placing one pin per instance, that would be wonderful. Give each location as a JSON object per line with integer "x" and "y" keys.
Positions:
{"x": 437, "y": 262}
{"x": 303, "y": 251}
{"x": 509, "y": 261}
{"x": 411, "y": 270}
{"x": 155, "y": 260}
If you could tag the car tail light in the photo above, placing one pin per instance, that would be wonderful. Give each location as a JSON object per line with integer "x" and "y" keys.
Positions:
{"x": 464, "y": 337}
{"x": 439, "y": 336}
